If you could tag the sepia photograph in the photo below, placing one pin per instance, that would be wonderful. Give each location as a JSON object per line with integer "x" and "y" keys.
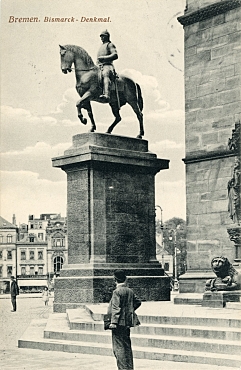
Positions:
{"x": 120, "y": 235}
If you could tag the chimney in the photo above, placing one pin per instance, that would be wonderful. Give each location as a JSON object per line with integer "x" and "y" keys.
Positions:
{"x": 14, "y": 220}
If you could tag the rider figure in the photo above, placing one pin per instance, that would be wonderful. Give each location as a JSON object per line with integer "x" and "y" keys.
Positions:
{"x": 105, "y": 56}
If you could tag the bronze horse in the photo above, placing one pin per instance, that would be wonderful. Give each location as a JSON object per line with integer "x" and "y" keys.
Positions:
{"x": 89, "y": 87}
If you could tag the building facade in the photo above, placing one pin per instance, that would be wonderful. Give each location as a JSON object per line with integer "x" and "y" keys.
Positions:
{"x": 8, "y": 239}
{"x": 41, "y": 251}
{"x": 34, "y": 252}
{"x": 212, "y": 39}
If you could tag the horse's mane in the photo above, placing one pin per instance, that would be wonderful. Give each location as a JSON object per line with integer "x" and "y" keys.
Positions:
{"x": 82, "y": 53}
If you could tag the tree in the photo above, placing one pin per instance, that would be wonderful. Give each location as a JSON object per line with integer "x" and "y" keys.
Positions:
{"x": 171, "y": 227}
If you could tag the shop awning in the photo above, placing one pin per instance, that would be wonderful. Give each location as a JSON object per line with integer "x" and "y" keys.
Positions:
{"x": 31, "y": 282}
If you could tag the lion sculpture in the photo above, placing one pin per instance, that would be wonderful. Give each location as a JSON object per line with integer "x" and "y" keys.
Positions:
{"x": 227, "y": 277}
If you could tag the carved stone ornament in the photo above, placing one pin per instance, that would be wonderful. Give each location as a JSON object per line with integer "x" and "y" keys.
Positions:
{"x": 227, "y": 278}
{"x": 234, "y": 193}
{"x": 234, "y": 141}
{"x": 208, "y": 11}
{"x": 235, "y": 235}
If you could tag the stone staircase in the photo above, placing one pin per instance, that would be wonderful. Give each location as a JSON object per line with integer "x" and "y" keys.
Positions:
{"x": 167, "y": 333}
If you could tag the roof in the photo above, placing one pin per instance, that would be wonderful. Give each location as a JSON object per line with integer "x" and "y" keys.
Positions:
{"x": 4, "y": 224}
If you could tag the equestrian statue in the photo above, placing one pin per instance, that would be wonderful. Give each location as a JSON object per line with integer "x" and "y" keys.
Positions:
{"x": 100, "y": 82}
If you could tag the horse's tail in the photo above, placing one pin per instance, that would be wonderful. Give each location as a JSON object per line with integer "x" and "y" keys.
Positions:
{"x": 139, "y": 97}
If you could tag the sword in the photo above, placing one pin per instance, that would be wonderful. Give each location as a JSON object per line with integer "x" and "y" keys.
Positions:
{"x": 116, "y": 90}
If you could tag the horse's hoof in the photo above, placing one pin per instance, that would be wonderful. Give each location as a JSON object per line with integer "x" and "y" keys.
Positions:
{"x": 108, "y": 132}
{"x": 84, "y": 121}
{"x": 139, "y": 137}
{"x": 92, "y": 130}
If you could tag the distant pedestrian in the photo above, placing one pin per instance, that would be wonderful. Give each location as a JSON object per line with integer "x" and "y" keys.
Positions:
{"x": 14, "y": 292}
{"x": 45, "y": 295}
{"x": 122, "y": 311}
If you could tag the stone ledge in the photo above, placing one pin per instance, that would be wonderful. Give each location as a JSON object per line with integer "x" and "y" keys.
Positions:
{"x": 208, "y": 12}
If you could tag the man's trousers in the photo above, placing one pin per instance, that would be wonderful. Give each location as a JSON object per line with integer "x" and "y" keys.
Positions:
{"x": 14, "y": 303}
{"x": 121, "y": 344}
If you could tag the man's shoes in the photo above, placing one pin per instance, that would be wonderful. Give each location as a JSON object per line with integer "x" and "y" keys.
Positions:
{"x": 13, "y": 310}
{"x": 105, "y": 98}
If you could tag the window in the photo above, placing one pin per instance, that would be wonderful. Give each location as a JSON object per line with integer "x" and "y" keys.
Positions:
{"x": 40, "y": 255}
{"x": 166, "y": 266}
{"x": 9, "y": 271}
{"x": 31, "y": 226}
{"x": 23, "y": 270}
{"x": 31, "y": 239}
{"x": 58, "y": 242}
{"x": 1, "y": 255}
{"x": 31, "y": 255}
{"x": 1, "y": 239}
{"x": 1, "y": 271}
{"x": 9, "y": 238}
{"x": 9, "y": 255}
{"x": 31, "y": 270}
{"x": 23, "y": 255}
{"x": 58, "y": 263}
{"x": 40, "y": 225}
{"x": 40, "y": 236}
{"x": 40, "y": 270}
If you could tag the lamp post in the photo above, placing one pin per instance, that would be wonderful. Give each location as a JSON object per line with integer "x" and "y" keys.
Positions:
{"x": 161, "y": 224}
{"x": 174, "y": 232}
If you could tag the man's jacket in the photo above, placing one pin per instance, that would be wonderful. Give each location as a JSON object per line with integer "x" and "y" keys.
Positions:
{"x": 14, "y": 289}
{"x": 123, "y": 305}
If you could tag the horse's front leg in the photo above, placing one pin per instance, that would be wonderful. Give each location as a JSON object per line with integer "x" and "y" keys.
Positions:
{"x": 88, "y": 107}
{"x": 80, "y": 115}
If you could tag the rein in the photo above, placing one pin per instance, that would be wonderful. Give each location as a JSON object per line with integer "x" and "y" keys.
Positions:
{"x": 76, "y": 69}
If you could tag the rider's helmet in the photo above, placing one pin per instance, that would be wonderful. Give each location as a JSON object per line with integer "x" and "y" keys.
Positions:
{"x": 105, "y": 33}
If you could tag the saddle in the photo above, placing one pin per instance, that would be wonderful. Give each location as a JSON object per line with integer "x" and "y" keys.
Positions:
{"x": 116, "y": 81}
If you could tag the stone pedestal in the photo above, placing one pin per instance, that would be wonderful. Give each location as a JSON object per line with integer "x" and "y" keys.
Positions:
{"x": 111, "y": 219}
{"x": 220, "y": 298}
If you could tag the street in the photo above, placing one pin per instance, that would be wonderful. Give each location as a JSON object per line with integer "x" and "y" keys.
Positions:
{"x": 13, "y": 325}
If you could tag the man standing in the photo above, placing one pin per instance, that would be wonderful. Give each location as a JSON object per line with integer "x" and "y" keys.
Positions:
{"x": 122, "y": 310}
{"x": 14, "y": 292}
{"x": 105, "y": 57}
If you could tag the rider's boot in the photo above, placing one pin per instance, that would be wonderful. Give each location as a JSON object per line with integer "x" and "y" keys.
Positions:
{"x": 106, "y": 91}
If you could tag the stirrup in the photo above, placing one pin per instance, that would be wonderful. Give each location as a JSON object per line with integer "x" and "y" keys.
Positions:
{"x": 105, "y": 98}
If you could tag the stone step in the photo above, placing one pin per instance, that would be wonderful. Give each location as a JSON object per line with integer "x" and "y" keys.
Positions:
{"x": 165, "y": 329}
{"x": 33, "y": 339}
{"x": 57, "y": 328}
{"x": 188, "y": 299}
{"x": 198, "y": 316}
{"x": 171, "y": 342}
{"x": 81, "y": 320}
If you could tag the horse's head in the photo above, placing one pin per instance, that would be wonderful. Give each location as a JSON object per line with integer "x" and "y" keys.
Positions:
{"x": 67, "y": 58}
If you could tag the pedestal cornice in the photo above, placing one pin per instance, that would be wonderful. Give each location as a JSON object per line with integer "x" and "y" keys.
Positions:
{"x": 110, "y": 149}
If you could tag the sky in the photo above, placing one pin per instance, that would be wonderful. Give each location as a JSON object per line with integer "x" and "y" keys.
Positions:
{"x": 38, "y": 112}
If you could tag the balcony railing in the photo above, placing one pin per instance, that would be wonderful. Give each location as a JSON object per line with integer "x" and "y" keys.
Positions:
{"x": 36, "y": 277}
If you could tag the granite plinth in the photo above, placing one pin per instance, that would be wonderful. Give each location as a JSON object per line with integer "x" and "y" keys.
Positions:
{"x": 111, "y": 220}
{"x": 75, "y": 291}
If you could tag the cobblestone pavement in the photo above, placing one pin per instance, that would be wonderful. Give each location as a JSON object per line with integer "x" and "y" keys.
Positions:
{"x": 13, "y": 325}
